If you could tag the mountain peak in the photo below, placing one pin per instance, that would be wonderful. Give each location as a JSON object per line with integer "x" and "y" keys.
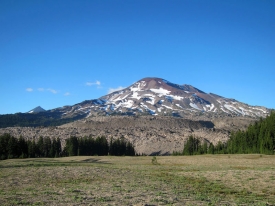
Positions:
{"x": 157, "y": 96}
{"x": 157, "y": 83}
{"x": 37, "y": 109}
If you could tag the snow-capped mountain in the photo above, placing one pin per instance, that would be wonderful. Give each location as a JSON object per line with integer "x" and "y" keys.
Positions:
{"x": 156, "y": 96}
{"x": 37, "y": 109}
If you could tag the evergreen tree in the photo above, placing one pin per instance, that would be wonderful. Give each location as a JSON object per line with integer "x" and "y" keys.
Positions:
{"x": 4, "y": 139}
{"x": 47, "y": 146}
{"x": 58, "y": 148}
{"x": 12, "y": 147}
{"x": 192, "y": 146}
{"x": 71, "y": 148}
{"x": 31, "y": 148}
{"x": 40, "y": 147}
{"x": 22, "y": 147}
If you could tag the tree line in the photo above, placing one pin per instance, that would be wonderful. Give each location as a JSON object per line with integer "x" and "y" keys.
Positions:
{"x": 35, "y": 119}
{"x": 99, "y": 146}
{"x": 257, "y": 138}
{"x": 11, "y": 147}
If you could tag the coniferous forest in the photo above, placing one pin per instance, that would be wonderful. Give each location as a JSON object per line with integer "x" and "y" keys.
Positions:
{"x": 11, "y": 147}
{"x": 257, "y": 138}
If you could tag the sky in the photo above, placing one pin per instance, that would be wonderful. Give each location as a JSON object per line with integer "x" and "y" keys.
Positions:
{"x": 61, "y": 52}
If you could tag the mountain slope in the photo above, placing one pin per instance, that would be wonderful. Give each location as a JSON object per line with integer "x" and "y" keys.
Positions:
{"x": 155, "y": 96}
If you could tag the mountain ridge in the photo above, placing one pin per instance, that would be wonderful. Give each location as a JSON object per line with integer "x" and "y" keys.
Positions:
{"x": 148, "y": 96}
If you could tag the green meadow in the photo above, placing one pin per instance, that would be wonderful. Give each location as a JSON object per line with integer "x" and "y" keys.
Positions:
{"x": 142, "y": 180}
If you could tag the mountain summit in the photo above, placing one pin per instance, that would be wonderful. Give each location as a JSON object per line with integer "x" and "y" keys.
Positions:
{"x": 156, "y": 96}
{"x": 37, "y": 109}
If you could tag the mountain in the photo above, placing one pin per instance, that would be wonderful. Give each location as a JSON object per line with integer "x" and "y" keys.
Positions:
{"x": 37, "y": 109}
{"x": 156, "y": 96}
{"x": 149, "y": 96}
{"x": 143, "y": 113}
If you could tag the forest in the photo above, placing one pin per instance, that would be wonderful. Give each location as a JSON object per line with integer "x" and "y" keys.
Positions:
{"x": 11, "y": 147}
{"x": 257, "y": 138}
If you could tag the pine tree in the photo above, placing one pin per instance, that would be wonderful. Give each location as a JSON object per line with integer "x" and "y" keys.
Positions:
{"x": 4, "y": 139}
{"x": 72, "y": 146}
{"x": 22, "y": 147}
{"x": 40, "y": 147}
{"x": 58, "y": 148}
{"x": 47, "y": 146}
{"x": 12, "y": 147}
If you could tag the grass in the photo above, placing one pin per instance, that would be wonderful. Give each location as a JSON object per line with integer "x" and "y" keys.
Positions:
{"x": 174, "y": 180}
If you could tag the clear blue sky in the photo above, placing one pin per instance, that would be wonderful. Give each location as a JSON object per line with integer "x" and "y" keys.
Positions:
{"x": 61, "y": 52}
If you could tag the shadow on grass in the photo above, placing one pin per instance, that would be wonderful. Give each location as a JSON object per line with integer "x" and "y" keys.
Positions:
{"x": 52, "y": 162}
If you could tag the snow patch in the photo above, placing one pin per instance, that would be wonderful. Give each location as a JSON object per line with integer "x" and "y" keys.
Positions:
{"x": 160, "y": 91}
{"x": 244, "y": 111}
{"x": 264, "y": 111}
{"x": 151, "y": 111}
{"x": 112, "y": 107}
{"x": 159, "y": 109}
{"x": 194, "y": 106}
{"x": 169, "y": 98}
{"x": 118, "y": 97}
{"x": 224, "y": 110}
{"x": 151, "y": 100}
{"x": 160, "y": 101}
{"x": 167, "y": 107}
{"x": 128, "y": 104}
{"x": 175, "y": 97}
{"x": 140, "y": 109}
{"x": 211, "y": 107}
{"x": 233, "y": 109}
{"x": 101, "y": 101}
{"x": 228, "y": 107}
{"x": 137, "y": 88}
{"x": 135, "y": 95}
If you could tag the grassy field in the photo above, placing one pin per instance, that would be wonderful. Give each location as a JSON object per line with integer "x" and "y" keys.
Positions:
{"x": 171, "y": 180}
